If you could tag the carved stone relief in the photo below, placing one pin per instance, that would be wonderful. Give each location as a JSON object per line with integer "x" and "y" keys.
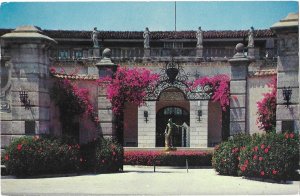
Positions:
{"x": 5, "y": 73}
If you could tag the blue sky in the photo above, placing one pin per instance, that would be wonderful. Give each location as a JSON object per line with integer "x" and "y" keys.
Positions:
{"x": 135, "y": 16}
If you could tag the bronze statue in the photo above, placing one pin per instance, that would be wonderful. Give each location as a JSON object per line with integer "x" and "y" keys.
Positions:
{"x": 168, "y": 134}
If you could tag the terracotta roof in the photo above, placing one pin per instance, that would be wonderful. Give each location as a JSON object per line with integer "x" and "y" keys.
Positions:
{"x": 261, "y": 73}
{"x": 75, "y": 77}
{"x": 153, "y": 35}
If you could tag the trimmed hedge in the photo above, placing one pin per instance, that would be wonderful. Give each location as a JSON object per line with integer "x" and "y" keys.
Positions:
{"x": 172, "y": 158}
{"x": 27, "y": 156}
{"x": 225, "y": 158}
{"x": 272, "y": 156}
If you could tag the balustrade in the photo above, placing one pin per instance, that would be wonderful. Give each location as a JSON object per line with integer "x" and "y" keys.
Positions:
{"x": 136, "y": 53}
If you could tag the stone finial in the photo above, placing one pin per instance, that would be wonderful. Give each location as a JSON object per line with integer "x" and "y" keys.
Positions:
{"x": 239, "y": 52}
{"x": 105, "y": 61}
{"x": 106, "y": 53}
{"x": 239, "y": 48}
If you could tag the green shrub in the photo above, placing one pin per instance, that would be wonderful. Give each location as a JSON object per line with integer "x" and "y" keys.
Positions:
{"x": 27, "y": 156}
{"x": 273, "y": 156}
{"x": 108, "y": 156}
{"x": 225, "y": 157}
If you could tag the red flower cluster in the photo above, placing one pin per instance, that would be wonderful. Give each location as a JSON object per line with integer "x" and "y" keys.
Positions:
{"x": 235, "y": 150}
{"x": 19, "y": 147}
{"x": 289, "y": 135}
{"x": 220, "y": 88}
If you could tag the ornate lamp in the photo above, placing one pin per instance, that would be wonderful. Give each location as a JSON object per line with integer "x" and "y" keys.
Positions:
{"x": 24, "y": 99}
{"x": 199, "y": 115}
{"x": 146, "y": 116}
{"x": 287, "y": 94}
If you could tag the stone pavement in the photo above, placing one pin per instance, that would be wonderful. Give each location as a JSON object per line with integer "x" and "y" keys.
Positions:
{"x": 142, "y": 180}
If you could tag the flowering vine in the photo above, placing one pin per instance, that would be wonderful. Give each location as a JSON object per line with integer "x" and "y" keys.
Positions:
{"x": 72, "y": 101}
{"x": 267, "y": 108}
{"x": 220, "y": 88}
{"x": 128, "y": 85}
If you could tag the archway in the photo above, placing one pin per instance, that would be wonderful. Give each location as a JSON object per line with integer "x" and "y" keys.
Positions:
{"x": 172, "y": 103}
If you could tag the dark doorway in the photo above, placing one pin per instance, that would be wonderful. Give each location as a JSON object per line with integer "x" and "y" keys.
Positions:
{"x": 179, "y": 116}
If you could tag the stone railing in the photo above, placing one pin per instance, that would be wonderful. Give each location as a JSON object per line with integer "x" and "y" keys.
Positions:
{"x": 136, "y": 53}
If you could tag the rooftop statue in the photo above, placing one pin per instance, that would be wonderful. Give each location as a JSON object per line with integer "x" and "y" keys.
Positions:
{"x": 95, "y": 37}
{"x": 199, "y": 36}
{"x": 146, "y": 36}
{"x": 251, "y": 37}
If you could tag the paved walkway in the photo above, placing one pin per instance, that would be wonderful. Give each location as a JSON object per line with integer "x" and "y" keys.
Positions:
{"x": 142, "y": 180}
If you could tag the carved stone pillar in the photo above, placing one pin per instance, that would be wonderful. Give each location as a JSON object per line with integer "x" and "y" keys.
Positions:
{"x": 107, "y": 119}
{"x": 28, "y": 50}
{"x": 287, "y": 118}
{"x": 238, "y": 88}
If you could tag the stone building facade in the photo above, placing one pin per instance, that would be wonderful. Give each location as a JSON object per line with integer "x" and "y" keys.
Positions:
{"x": 27, "y": 53}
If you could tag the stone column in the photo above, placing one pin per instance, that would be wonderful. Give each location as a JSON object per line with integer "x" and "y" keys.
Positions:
{"x": 287, "y": 73}
{"x": 107, "y": 120}
{"x": 29, "y": 60}
{"x": 146, "y": 130}
{"x": 199, "y": 129}
{"x": 238, "y": 88}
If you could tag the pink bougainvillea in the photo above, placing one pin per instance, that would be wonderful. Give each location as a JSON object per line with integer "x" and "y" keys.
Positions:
{"x": 72, "y": 100}
{"x": 128, "y": 85}
{"x": 220, "y": 88}
{"x": 267, "y": 108}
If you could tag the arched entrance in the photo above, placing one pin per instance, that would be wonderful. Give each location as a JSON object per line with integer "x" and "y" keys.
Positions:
{"x": 172, "y": 103}
{"x": 179, "y": 116}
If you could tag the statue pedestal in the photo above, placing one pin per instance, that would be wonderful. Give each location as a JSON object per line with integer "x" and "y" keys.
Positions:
{"x": 96, "y": 52}
{"x": 199, "y": 52}
{"x": 168, "y": 149}
{"x": 251, "y": 53}
{"x": 147, "y": 53}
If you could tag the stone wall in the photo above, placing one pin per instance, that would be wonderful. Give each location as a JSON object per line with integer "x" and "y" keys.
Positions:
{"x": 198, "y": 129}
{"x": 287, "y": 32}
{"x": 257, "y": 86}
{"x": 146, "y": 130}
